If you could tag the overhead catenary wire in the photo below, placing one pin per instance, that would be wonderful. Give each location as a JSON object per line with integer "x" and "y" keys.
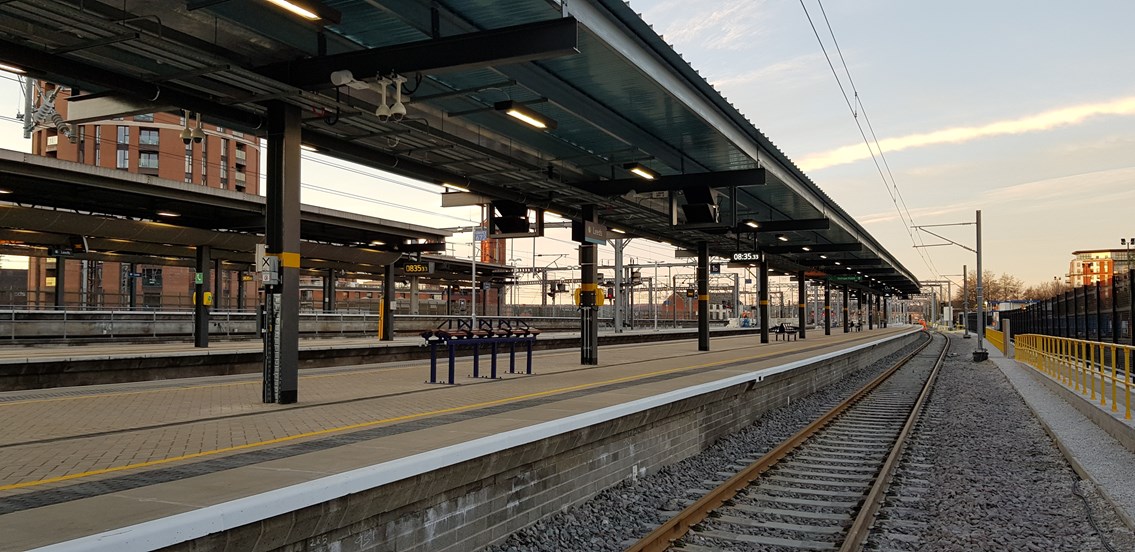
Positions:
{"x": 855, "y": 107}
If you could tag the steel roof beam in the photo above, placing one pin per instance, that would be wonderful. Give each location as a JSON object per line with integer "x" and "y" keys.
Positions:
{"x": 508, "y": 45}
{"x": 792, "y": 225}
{"x": 817, "y": 248}
{"x": 677, "y": 182}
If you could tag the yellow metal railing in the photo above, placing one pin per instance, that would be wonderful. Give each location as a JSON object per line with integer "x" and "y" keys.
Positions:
{"x": 1089, "y": 367}
{"x": 996, "y": 338}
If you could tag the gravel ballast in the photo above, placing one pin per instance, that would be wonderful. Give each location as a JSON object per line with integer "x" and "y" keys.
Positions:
{"x": 628, "y": 511}
{"x": 980, "y": 474}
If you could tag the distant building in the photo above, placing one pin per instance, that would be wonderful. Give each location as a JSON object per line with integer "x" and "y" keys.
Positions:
{"x": 1097, "y": 265}
{"x": 148, "y": 144}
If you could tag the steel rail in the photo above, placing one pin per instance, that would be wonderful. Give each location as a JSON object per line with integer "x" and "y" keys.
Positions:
{"x": 674, "y": 529}
{"x": 861, "y": 527}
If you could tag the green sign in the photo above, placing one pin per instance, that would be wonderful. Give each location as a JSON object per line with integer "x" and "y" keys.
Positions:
{"x": 845, "y": 278}
{"x": 199, "y": 278}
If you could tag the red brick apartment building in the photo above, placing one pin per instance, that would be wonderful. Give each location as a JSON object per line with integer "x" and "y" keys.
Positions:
{"x": 148, "y": 144}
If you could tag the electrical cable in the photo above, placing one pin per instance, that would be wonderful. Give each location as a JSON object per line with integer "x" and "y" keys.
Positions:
{"x": 1091, "y": 516}
{"x": 908, "y": 222}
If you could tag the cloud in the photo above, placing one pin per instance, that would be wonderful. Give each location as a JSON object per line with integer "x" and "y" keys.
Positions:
{"x": 1033, "y": 123}
{"x": 726, "y": 27}
{"x": 1056, "y": 196}
{"x": 779, "y": 74}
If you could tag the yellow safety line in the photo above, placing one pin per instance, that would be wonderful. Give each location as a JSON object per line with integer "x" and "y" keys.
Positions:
{"x": 361, "y": 425}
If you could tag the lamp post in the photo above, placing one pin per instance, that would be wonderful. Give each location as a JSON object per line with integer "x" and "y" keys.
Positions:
{"x": 1127, "y": 258}
{"x": 980, "y": 353}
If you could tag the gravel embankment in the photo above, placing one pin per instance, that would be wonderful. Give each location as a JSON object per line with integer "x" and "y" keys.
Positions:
{"x": 630, "y": 510}
{"x": 982, "y": 474}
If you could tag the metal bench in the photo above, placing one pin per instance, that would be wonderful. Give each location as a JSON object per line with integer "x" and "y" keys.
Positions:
{"x": 789, "y": 333}
{"x": 506, "y": 332}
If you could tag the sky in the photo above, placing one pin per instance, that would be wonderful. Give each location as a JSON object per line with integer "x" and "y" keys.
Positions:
{"x": 1024, "y": 110}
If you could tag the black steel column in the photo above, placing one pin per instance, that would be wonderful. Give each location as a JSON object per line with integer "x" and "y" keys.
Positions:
{"x": 845, "y": 322}
{"x": 588, "y": 311}
{"x": 218, "y": 284}
{"x": 802, "y": 302}
{"x": 240, "y": 290}
{"x": 281, "y": 336}
{"x": 329, "y": 290}
{"x": 132, "y": 286}
{"x": 870, "y": 313}
{"x": 762, "y": 280}
{"x": 1067, "y": 316}
{"x": 200, "y": 309}
{"x": 827, "y": 307}
{"x": 703, "y": 296}
{"x": 387, "y": 313}
{"x": 60, "y": 281}
{"x": 887, "y": 314}
{"x": 1099, "y": 314}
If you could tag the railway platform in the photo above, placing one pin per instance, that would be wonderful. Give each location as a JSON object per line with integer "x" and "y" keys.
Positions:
{"x": 63, "y": 365}
{"x": 373, "y": 456}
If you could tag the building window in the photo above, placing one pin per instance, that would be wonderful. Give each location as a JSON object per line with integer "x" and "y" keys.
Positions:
{"x": 123, "y": 135}
{"x": 189, "y": 162}
{"x": 148, "y": 137}
{"x": 148, "y": 160}
{"x": 147, "y": 118}
{"x": 204, "y": 160}
{"x": 98, "y": 145}
{"x": 123, "y": 161}
{"x": 152, "y": 277}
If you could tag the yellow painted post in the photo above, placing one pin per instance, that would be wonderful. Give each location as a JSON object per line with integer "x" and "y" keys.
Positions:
{"x": 1114, "y": 369}
{"x": 1089, "y": 372}
{"x": 1127, "y": 387}
{"x": 380, "y": 319}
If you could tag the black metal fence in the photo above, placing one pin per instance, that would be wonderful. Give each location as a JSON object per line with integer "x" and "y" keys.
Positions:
{"x": 1100, "y": 312}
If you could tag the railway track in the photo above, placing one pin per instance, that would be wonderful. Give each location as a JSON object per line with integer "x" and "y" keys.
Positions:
{"x": 820, "y": 489}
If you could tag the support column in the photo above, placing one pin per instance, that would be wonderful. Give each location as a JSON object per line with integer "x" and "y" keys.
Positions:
{"x": 415, "y": 302}
{"x": 218, "y": 284}
{"x": 802, "y": 303}
{"x": 870, "y": 312}
{"x": 329, "y": 290}
{"x": 887, "y": 313}
{"x": 827, "y": 307}
{"x": 240, "y": 290}
{"x": 281, "y": 336}
{"x": 703, "y": 296}
{"x": 588, "y": 311}
{"x": 1099, "y": 315}
{"x": 200, "y": 287}
{"x": 620, "y": 292}
{"x": 763, "y": 295}
{"x": 60, "y": 282}
{"x": 132, "y": 286}
{"x": 846, "y": 326}
{"x": 387, "y": 303}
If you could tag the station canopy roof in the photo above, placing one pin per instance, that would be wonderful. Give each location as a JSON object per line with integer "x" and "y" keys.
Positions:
{"x": 613, "y": 97}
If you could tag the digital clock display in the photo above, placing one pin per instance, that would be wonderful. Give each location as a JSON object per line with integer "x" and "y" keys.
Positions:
{"x": 418, "y": 268}
{"x": 741, "y": 256}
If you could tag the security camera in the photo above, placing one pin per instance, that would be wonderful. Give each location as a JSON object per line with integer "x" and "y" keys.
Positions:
{"x": 186, "y": 135}
{"x": 398, "y": 110}
{"x": 198, "y": 135}
{"x": 383, "y": 112}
